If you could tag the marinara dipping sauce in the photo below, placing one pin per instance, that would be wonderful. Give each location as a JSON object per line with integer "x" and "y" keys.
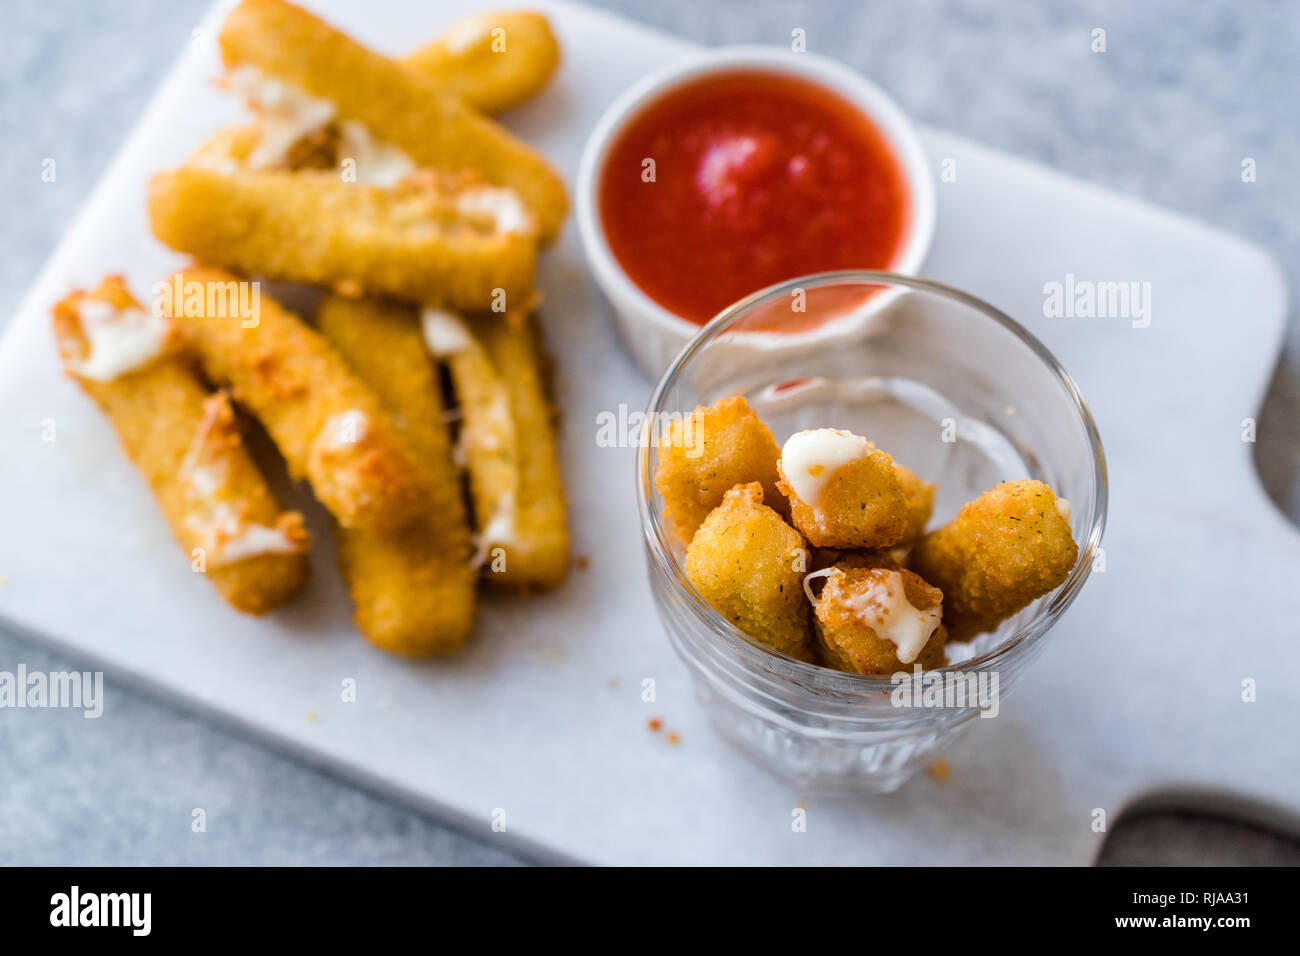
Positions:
{"x": 740, "y": 180}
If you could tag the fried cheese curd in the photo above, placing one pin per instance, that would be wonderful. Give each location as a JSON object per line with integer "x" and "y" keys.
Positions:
{"x": 749, "y": 565}
{"x": 884, "y": 596}
{"x": 920, "y": 503}
{"x": 1005, "y": 549}
{"x": 845, "y": 492}
{"x": 706, "y": 454}
{"x": 873, "y": 617}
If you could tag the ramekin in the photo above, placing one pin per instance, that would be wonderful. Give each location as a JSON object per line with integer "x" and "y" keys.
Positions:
{"x": 653, "y": 334}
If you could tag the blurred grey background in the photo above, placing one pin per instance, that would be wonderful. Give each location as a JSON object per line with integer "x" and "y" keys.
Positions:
{"x": 1188, "y": 91}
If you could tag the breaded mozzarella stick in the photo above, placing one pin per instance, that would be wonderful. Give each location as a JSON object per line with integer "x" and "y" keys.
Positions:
{"x": 329, "y": 426}
{"x": 414, "y": 589}
{"x": 487, "y": 445}
{"x": 398, "y": 105}
{"x": 539, "y": 556}
{"x": 419, "y": 240}
{"x": 507, "y": 442}
{"x": 492, "y": 61}
{"x": 184, "y": 441}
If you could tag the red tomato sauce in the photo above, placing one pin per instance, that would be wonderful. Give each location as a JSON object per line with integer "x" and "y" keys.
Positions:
{"x": 756, "y": 178}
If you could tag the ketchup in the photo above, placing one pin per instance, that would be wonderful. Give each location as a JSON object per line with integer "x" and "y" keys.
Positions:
{"x": 737, "y": 181}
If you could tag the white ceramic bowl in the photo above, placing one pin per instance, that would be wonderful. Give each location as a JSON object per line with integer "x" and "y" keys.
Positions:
{"x": 655, "y": 335}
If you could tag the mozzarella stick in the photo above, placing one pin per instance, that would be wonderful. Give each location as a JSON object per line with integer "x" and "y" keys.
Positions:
{"x": 539, "y": 554}
{"x": 184, "y": 442}
{"x": 492, "y": 61}
{"x": 507, "y": 443}
{"x": 413, "y": 589}
{"x": 419, "y": 240}
{"x": 398, "y": 105}
{"x": 330, "y": 427}
{"x": 487, "y": 445}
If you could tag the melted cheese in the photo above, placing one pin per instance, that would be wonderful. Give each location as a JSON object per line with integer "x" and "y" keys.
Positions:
{"x": 377, "y": 163}
{"x": 500, "y": 530}
{"x": 287, "y": 114}
{"x": 444, "y": 333}
{"x": 227, "y": 537}
{"x": 881, "y": 604}
{"x": 502, "y": 206}
{"x": 809, "y": 458}
{"x": 120, "y": 340}
{"x": 254, "y": 540}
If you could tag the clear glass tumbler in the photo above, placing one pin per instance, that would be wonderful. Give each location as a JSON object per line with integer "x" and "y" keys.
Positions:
{"x": 949, "y": 386}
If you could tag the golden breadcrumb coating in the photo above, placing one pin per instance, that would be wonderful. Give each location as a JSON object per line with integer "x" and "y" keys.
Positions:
{"x": 537, "y": 554}
{"x": 330, "y": 427}
{"x": 920, "y": 503}
{"x": 1008, "y": 547}
{"x": 708, "y": 452}
{"x": 854, "y": 608}
{"x": 399, "y": 105}
{"x": 492, "y": 60}
{"x": 862, "y": 504}
{"x": 508, "y": 442}
{"x": 184, "y": 441}
{"x": 406, "y": 241}
{"x": 749, "y": 564}
{"x": 413, "y": 589}
{"x": 487, "y": 446}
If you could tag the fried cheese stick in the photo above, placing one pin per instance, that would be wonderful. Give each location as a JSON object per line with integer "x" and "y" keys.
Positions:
{"x": 414, "y": 589}
{"x": 184, "y": 442}
{"x": 397, "y": 104}
{"x": 539, "y": 554}
{"x": 419, "y": 240}
{"x": 493, "y": 61}
{"x": 507, "y": 441}
{"x": 330, "y": 427}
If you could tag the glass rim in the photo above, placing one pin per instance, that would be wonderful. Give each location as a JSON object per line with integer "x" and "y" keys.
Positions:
{"x": 1019, "y": 641}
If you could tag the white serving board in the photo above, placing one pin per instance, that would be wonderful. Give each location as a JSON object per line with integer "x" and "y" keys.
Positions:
{"x": 1137, "y": 694}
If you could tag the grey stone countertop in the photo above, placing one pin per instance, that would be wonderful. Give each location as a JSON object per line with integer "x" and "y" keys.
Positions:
{"x": 1188, "y": 92}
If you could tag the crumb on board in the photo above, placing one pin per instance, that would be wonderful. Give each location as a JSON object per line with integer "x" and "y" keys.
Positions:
{"x": 545, "y": 652}
{"x": 612, "y": 683}
{"x": 674, "y": 737}
{"x": 582, "y": 562}
{"x": 655, "y": 725}
{"x": 313, "y": 717}
{"x": 939, "y": 770}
